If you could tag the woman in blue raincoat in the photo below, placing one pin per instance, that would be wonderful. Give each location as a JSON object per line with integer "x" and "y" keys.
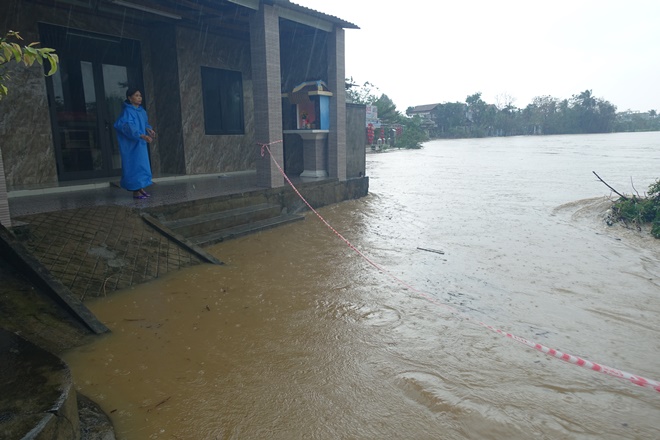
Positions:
{"x": 133, "y": 134}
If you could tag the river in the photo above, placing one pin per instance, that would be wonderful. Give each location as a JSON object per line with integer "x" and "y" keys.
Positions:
{"x": 300, "y": 337}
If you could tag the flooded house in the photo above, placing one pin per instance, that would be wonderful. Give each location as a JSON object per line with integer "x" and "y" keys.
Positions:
{"x": 220, "y": 79}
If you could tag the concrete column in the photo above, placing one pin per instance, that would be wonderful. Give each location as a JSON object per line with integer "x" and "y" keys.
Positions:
{"x": 337, "y": 85}
{"x": 266, "y": 84}
{"x": 314, "y": 153}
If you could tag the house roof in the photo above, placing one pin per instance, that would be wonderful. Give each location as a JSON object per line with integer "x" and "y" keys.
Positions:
{"x": 296, "y": 9}
{"x": 224, "y": 15}
{"x": 424, "y": 108}
{"x": 336, "y": 20}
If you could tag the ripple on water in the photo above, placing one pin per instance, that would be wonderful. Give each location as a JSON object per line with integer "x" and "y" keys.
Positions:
{"x": 382, "y": 316}
{"x": 375, "y": 315}
{"x": 430, "y": 391}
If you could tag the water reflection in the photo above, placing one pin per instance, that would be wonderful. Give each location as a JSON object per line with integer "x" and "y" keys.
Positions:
{"x": 298, "y": 337}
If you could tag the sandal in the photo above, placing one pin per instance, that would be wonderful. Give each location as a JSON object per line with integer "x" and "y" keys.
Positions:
{"x": 144, "y": 193}
{"x": 140, "y": 196}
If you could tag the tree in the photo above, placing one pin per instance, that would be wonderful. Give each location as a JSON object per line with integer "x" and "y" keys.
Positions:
{"x": 361, "y": 94}
{"x": 504, "y": 101}
{"x": 476, "y": 109}
{"x": 543, "y": 115}
{"x": 592, "y": 115}
{"x": 387, "y": 110}
{"x": 413, "y": 134}
{"x": 450, "y": 119}
{"x": 12, "y": 51}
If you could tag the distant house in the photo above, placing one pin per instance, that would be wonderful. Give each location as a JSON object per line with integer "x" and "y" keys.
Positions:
{"x": 423, "y": 111}
{"x": 214, "y": 75}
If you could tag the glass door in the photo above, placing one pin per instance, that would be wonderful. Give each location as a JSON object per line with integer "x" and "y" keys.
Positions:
{"x": 86, "y": 96}
{"x": 115, "y": 83}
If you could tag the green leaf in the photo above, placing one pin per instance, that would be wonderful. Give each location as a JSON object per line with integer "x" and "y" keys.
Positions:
{"x": 16, "y": 49}
{"x": 6, "y": 48}
{"x": 53, "y": 59}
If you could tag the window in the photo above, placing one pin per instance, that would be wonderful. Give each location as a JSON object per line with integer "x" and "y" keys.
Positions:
{"x": 222, "y": 92}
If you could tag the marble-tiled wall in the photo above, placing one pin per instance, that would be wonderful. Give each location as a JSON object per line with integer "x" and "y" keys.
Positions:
{"x": 26, "y": 138}
{"x": 356, "y": 116}
{"x": 168, "y": 149}
{"x": 213, "y": 153}
{"x": 25, "y": 134}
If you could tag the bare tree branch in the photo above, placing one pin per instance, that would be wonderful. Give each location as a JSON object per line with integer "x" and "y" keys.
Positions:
{"x": 619, "y": 194}
{"x": 633, "y": 187}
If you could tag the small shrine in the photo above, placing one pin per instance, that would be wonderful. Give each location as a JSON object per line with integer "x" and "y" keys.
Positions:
{"x": 311, "y": 100}
{"x": 310, "y": 105}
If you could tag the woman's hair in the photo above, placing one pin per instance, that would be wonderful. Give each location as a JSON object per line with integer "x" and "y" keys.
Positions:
{"x": 131, "y": 91}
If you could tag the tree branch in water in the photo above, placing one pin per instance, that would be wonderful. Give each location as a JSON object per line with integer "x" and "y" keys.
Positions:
{"x": 619, "y": 194}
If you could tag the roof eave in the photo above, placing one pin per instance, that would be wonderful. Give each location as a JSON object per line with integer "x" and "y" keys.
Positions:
{"x": 336, "y": 21}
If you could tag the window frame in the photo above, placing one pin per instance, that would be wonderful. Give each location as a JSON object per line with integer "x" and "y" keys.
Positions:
{"x": 219, "y": 88}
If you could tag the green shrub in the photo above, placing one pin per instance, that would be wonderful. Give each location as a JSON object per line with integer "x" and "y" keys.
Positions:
{"x": 413, "y": 135}
{"x": 655, "y": 229}
{"x": 638, "y": 211}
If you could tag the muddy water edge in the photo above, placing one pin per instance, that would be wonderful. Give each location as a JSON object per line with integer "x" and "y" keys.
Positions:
{"x": 299, "y": 337}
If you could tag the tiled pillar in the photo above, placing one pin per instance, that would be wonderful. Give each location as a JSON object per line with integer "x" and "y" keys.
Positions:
{"x": 5, "y": 219}
{"x": 314, "y": 153}
{"x": 337, "y": 85}
{"x": 266, "y": 84}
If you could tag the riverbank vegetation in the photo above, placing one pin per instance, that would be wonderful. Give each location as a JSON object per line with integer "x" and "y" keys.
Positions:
{"x": 395, "y": 130}
{"x": 582, "y": 113}
{"x": 639, "y": 210}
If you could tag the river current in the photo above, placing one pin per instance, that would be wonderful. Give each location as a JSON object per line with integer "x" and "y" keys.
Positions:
{"x": 300, "y": 337}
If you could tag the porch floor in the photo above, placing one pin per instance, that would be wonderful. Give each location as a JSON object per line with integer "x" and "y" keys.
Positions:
{"x": 164, "y": 191}
{"x": 95, "y": 241}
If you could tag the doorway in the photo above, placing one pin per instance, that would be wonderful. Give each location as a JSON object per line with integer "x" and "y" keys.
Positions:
{"x": 85, "y": 98}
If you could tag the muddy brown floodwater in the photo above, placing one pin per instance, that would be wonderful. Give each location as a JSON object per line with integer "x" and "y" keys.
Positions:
{"x": 298, "y": 337}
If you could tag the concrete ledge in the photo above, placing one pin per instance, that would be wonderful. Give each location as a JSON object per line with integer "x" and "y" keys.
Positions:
{"x": 180, "y": 239}
{"x": 37, "y": 397}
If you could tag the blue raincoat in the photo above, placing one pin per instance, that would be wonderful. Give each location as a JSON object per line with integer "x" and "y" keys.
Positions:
{"x": 136, "y": 169}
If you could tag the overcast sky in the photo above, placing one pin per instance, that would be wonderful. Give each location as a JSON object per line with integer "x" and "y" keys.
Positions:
{"x": 427, "y": 51}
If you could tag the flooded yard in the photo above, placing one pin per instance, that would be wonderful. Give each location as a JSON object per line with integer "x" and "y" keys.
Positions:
{"x": 298, "y": 336}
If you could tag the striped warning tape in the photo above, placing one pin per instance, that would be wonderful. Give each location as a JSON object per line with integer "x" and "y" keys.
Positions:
{"x": 575, "y": 360}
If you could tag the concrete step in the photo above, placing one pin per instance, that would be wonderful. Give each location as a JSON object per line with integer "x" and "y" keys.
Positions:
{"x": 214, "y": 221}
{"x": 244, "y": 229}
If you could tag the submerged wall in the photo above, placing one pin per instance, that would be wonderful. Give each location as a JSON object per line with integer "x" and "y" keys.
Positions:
{"x": 321, "y": 193}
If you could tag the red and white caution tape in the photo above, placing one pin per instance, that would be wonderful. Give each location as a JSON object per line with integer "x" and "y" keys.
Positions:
{"x": 575, "y": 360}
